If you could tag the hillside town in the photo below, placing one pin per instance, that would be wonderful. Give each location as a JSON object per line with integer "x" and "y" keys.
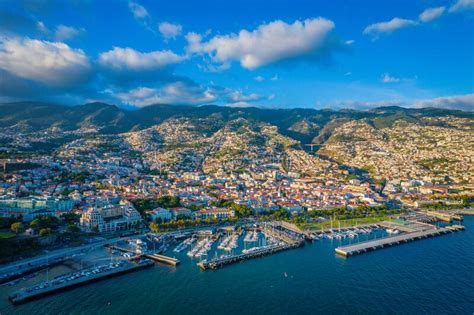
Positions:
{"x": 122, "y": 182}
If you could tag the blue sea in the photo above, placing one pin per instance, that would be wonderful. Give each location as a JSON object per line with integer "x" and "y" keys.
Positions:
{"x": 429, "y": 276}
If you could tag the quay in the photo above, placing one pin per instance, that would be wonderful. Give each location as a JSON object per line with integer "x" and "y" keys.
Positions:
{"x": 28, "y": 294}
{"x": 394, "y": 240}
{"x": 466, "y": 211}
{"x": 31, "y": 269}
{"x": 221, "y": 262}
{"x": 293, "y": 228}
{"x": 444, "y": 216}
{"x": 156, "y": 257}
{"x": 281, "y": 235}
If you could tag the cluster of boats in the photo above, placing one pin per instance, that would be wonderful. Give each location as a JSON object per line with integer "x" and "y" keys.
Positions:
{"x": 257, "y": 248}
{"x": 350, "y": 233}
{"x": 229, "y": 242}
{"x": 201, "y": 248}
{"x": 140, "y": 246}
{"x": 182, "y": 246}
{"x": 251, "y": 237}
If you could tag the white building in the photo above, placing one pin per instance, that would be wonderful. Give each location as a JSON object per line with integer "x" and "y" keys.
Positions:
{"x": 110, "y": 218}
{"x": 217, "y": 213}
{"x": 160, "y": 213}
{"x": 181, "y": 211}
{"x": 31, "y": 207}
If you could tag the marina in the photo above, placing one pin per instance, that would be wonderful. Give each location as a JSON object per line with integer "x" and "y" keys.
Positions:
{"x": 278, "y": 237}
{"x": 215, "y": 249}
{"x": 263, "y": 260}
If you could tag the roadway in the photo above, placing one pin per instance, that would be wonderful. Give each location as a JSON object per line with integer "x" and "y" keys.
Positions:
{"x": 25, "y": 264}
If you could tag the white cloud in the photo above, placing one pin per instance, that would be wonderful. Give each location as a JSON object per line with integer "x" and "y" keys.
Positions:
{"x": 64, "y": 32}
{"x": 170, "y": 30}
{"x": 462, "y": 102}
{"x": 173, "y": 93}
{"x": 274, "y": 78}
{"x": 459, "y": 102}
{"x": 387, "y": 78}
{"x": 267, "y": 44}
{"x": 128, "y": 58}
{"x": 259, "y": 78}
{"x": 431, "y": 14}
{"x": 388, "y": 27}
{"x": 462, "y": 5}
{"x": 51, "y": 63}
{"x": 349, "y": 42}
{"x": 181, "y": 92}
{"x": 138, "y": 11}
{"x": 42, "y": 27}
{"x": 238, "y": 96}
{"x": 364, "y": 105}
{"x": 240, "y": 105}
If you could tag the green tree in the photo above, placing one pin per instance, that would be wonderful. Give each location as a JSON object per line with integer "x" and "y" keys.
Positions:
{"x": 154, "y": 227}
{"x": 70, "y": 217}
{"x": 43, "y": 222}
{"x": 72, "y": 228}
{"x": 168, "y": 202}
{"x": 17, "y": 227}
{"x": 45, "y": 232}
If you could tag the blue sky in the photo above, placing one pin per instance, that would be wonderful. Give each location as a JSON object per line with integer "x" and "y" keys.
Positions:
{"x": 319, "y": 54}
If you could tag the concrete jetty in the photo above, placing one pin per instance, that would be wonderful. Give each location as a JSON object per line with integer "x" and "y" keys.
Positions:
{"x": 52, "y": 287}
{"x": 287, "y": 242}
{"x": 394, "y": 240}
{"x": 27, "y": 270}
{"x": 221, "y": 262}
{"x": 163, "y": 259}
{"x": 156, "y": 257}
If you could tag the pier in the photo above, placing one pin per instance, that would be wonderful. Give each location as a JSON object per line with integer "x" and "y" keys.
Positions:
{"x": 52, "y": 287}
{"x": 288, "y": 242}
{"x": 394, "y": 240}
{"x": 156, "y": 257}
{"x": 32, "y": 269}
{"x": 163, "y": 259}
{"x": 221, "y": 262}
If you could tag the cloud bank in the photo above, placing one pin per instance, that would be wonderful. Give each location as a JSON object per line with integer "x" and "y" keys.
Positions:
{"x": 51, "y": 63}
{"x": 129, "y": 59}
{"x": 268, "y": 43}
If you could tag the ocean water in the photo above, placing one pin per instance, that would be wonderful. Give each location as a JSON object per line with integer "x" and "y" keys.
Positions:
{"x": 429, "y": 276}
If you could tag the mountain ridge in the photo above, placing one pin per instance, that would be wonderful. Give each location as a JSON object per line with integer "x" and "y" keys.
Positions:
{"x": 304, "y": 124}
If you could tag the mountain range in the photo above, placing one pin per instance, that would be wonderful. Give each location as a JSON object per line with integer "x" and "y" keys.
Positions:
{"x": 305, "y": 125}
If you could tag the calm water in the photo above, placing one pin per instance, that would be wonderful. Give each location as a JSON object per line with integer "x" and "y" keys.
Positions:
{"x": 434, "y": 276}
